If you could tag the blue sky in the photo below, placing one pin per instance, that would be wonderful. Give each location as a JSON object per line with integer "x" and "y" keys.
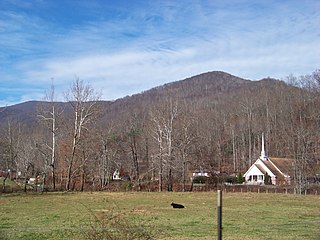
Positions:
{"x": 124, "y": 47}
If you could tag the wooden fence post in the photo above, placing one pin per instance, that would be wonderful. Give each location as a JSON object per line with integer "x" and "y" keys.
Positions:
{"x": 219, "y": 215}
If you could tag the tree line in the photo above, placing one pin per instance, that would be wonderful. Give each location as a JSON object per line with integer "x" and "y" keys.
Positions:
{"x": 213, "y": 121}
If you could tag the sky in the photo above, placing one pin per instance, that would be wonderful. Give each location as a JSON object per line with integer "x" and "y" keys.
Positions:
{"x": 124, "y": 47}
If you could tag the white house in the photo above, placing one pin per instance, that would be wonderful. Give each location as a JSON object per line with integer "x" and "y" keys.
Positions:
{"x": 276, "y": 169}
{"x": 200, "y": 173}
{"x": 116, "y": 175}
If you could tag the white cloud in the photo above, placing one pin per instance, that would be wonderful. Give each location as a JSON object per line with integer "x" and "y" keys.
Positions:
{"x": 131, "y": 70}
{"x": 159, "y": 42}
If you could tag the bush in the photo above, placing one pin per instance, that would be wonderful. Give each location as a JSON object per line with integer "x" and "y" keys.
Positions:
{"x": 111, "y": 226}
{"x": 230, "y": 179}
{"x": 126, "y": 186}
{"x": 200, "y": 179}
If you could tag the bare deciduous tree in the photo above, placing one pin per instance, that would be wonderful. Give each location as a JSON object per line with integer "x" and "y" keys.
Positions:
{"x": 83, "y": 100}
{"x": 162, "y": 131}
{"x": 51, "y": 117}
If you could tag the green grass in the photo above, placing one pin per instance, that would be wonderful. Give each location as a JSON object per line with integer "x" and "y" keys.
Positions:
{"x": 245, "y": 215}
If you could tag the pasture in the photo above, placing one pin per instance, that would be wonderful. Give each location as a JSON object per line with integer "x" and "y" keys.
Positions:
{"x": 88, "y": 215}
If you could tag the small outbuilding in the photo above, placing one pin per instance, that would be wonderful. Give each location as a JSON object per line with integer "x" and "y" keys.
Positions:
{"x": 116, "y": 175}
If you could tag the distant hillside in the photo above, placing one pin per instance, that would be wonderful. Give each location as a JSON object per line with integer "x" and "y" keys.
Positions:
{"x": 199, "y": 86}
{"x": 210, "y": 86}
{"x": 24, "y": 113}
{"x": 211, "y": 121}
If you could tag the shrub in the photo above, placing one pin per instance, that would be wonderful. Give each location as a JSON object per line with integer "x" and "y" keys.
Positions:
{"x": 230, "y": 179}
{"x": 200, "y": 179}
{"x": 113, "y": 226}
{"x": 126, "y": 186}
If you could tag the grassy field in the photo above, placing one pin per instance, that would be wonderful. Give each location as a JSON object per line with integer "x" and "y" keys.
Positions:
{"x": 76, "y": 215}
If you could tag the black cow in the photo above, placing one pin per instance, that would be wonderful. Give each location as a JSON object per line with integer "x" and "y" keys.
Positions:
{"x": 176, "y": 205}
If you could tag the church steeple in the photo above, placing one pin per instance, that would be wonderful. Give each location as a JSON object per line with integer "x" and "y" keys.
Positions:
{"x": 263, "y": 155}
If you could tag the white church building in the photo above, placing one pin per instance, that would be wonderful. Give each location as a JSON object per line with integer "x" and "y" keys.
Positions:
{"x": 277, "y": 170}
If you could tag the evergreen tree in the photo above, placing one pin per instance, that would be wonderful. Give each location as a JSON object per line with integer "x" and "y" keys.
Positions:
{"x": 267, "y": 179}
{"x": 240, "y": 179}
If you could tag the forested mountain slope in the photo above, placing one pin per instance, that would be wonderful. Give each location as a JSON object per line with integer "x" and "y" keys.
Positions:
{"x": 211, "y": 85}
{"x": 213, "y": 121}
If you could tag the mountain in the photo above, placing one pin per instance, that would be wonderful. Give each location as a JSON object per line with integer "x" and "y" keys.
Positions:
{"x": 211, "y": 121}
{"x": 206, "y": 86}
{"x": 199, "y": 92}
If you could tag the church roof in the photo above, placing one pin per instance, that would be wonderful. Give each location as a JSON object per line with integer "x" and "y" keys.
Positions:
{"x": 261, "y": 168}
{"x": 280, "y": 167}
{"x": 285, "y": 165}
{"x": 272, "y": 167}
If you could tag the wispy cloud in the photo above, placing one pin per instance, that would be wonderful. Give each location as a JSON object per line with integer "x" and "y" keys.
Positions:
{"x": 131, "y": 49}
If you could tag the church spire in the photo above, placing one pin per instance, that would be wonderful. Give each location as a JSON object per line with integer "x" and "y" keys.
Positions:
{"x": 263, "y": 155}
